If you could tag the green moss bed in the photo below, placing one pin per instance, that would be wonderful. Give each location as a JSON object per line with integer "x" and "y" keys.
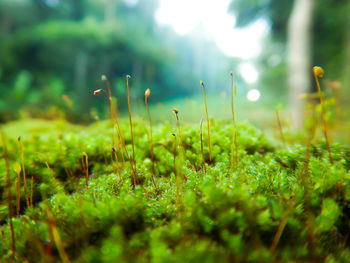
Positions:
{"x": 276, "y": 204}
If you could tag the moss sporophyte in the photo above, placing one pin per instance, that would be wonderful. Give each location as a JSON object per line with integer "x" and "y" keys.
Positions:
{"x": 132, "y": 135}
{"x": 202, "y": 152}
{"x": 24, "y": 171}
{"x": 115, "y": 139}
{"x": 233, "y": 96}
{"x": 9, "y": 195}
{"x": 279, "y": 204}
{"x": 179, "y": 129}
{"x": 208, "y": 123}
{"x": 318, "y": 73}
{"x": 104, "y": 78}
{"x": 147, "y": 94}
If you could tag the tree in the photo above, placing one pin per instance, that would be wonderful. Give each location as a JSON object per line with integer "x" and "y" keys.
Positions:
{"x": 313, "y": 34}
{"x": 74, "y": 42}
{"x": 299, "y": 56}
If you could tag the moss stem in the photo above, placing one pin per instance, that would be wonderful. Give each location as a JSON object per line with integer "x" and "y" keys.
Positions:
{"x": 56, "y": 237}
{"x": 201, "y": 136}
{"x": 118, "y": 168}
{"x": 180, "y": 134}
{"x": 282, "y": 226}
{"x": 233, "y": 95}
{"x": 9, "y": 196}
{"x": 24, "y": 172}
{"x": 132, "y": 135}
{"x": 318, "y": 72}
{"x": 136, "y": 180}
{"x": 280, "y": 128}
{"x": 147, "y": 94}
{"x": 18, "y": 192}
{"x": 86, "y": 168}
{"x": 206, "y": 112}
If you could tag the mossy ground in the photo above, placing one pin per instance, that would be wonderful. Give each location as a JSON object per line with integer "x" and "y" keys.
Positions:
{"x": 230, "y": 214}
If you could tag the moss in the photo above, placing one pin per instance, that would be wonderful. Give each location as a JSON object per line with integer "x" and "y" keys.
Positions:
{"x": 225, "y": 215}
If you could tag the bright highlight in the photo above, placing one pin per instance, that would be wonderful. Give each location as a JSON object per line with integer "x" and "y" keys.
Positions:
{"x": 248, "y": 72}
{"x": 187, "y": 15}
{"x": 253, "y": 95}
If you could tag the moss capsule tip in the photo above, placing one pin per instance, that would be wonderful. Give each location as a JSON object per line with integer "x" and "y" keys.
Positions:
{"x": 97, "y": 91}
{"x": 318, "y": 71}
{"x": 147, "y": 93}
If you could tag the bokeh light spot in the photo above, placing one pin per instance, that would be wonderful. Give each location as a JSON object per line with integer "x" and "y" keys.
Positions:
{"x": 253, "y": 95}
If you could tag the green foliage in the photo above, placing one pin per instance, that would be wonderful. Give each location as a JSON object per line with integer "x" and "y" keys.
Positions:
{"x": 53, "y": 48}
{"x": 225, "y": 215}
{"x": 330, "y": 24}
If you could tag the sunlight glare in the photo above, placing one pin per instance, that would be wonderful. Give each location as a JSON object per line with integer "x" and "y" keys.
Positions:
{"x": 187, "y": 15}
{"x": 248, "y": 72}
{"x": 179, "y": 14}
{"x": 253, "y": 95}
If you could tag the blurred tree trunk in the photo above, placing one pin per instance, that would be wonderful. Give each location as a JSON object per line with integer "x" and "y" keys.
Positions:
{"x": 298, "y": 57}
{"x": 80, "y": 76}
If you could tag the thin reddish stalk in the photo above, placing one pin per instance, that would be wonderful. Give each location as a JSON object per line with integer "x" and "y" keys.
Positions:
{"x": 174, "y": 154}
{"x": 8, "y": 178}
{"x": 201, "y": 135}
{"x": 114, "y": 115}
{"x": 281, "y": 227}
{"x": 52, "y": 175}
{"x": 180, "y": 134}
{"x": 151, "y": 142}
{"x": 18, "y": 200}
{"x": 24, "y": 172}
{"x": 56, "y": 237}
{"x": 303, "y": 178}
{"x": 18, "y": 189}
{"x": 178, "y": 180}
{"x": 318, "y": 72}
{"x": 118, "y": 169}
{"x": 86, "y": 168}
{"x": 32, "y": 192}
{"x": 206, "y": 111}
{"x": 136, "y": 180}
{"x": 151, "y": 137}
{"x": 132, "y": 135}
{"x": 67, "y": 170}
{"x": 280, "y": 127}
{"x": 233, "y": 95}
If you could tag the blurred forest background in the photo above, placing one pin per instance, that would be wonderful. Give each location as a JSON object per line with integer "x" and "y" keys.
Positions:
{"x": 53, "y": 53}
